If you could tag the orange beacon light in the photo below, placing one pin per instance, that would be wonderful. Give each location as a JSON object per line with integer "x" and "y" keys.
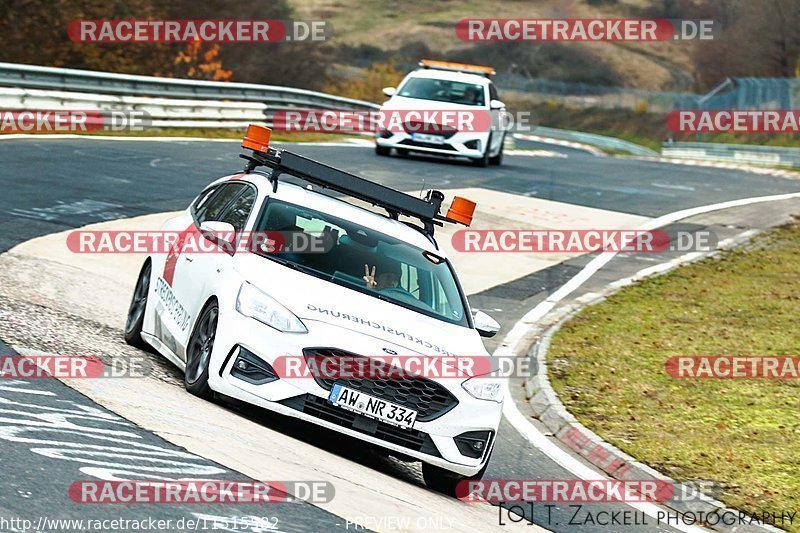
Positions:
{"x": 257, "y": 138}
{"x": 461, "y": 210}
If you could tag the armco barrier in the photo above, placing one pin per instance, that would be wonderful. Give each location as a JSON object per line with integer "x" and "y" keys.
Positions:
{"x": 747, "y": 154}
{"x": 163, "y": 112}
{"x": 88, "y": 81}
{"x": 170, "y": 102}
{"x": 602, "y": 141}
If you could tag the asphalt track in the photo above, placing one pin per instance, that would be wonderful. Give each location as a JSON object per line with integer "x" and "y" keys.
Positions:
{"x": 53, "y": 185}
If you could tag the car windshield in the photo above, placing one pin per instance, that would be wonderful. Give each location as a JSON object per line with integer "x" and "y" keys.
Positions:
{"x": 402, "y": 273}
{"x": 455, "y": 92}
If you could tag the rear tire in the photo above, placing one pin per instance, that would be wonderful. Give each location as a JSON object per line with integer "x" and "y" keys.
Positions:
{"x": 446, "y": 482}
{"x": 402, "y": 152}
{"x": 198, "y": 353}
{"x": 136, "y": 311}
{"x": 382, "y": 150}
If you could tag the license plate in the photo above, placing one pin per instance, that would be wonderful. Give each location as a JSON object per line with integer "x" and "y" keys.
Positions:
{"x": 364, "y": 404}
{"x": 427, "y": 138}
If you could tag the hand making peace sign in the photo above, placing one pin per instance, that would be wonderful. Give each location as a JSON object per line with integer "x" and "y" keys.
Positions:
{"x": 369, "y": 278}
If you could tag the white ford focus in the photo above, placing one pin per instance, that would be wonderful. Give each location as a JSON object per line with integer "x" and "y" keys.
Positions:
{"x": 428, "y": 99}
{"x": 375, "y": 285}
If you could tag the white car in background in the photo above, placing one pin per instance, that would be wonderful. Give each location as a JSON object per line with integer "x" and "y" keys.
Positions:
{"x": 224, "y": 318}
{"x": 445, "y": 86}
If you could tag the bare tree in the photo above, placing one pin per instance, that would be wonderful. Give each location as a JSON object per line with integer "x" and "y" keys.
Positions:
{"x": 757, "y": 38}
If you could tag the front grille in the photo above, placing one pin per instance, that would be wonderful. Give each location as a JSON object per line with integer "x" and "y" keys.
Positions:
{"x": 409, "y": 142}
{"x": 315, "y": 406}
{"x": 429, "y": 398}
{"x": 431, "y": 128}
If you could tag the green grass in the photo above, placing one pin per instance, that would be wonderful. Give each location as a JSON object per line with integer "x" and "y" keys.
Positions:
{"x": 607, "y": 366}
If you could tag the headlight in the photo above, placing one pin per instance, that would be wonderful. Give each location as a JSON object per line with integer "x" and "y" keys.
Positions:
{"x": 255, "y": 304}
{"x": 484, "y": 388}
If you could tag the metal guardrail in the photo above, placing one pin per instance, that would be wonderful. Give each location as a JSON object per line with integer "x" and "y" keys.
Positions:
{"x": 88, "y": 81}
{"x": 232, "y": 114}
{"x": 607, "y": 143}
{"x": 749, "y": 154}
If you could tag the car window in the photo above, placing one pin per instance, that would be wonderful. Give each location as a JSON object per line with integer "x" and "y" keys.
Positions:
{"x": 404, "y": 274}
{"x": 214, "y": 207}
{"x": 202, "y": 198}
{"x": 236, "y": 214}
{"x": 493, "y": 92}
{"x": 409, "y": 279}
{"x": 455, "y": 92}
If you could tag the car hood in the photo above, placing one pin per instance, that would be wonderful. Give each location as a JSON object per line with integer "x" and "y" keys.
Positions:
{"x": 403, "y": 103}
{"x": 463, "y": 117}
{"x": 311, "y": 298}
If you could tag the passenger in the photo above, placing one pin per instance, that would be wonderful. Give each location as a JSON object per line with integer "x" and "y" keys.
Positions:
{"x": 472, "y": 96}
{"x": 388, "y": 279}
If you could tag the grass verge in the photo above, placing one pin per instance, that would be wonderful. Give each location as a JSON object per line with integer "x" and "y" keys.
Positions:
{"x": 607, "y": 366}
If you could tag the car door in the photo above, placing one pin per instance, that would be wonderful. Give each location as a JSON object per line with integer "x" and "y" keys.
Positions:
{"x": 171, "y": 316}
{"x": 498, "y": 120}
{"x": 200, "y": 265}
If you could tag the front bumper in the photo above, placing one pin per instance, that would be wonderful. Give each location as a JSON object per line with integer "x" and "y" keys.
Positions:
{"x": 430, "y": 441}
{"x": 461, "y": 144}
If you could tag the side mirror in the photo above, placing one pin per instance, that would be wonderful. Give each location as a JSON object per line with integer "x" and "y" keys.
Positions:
{"x": 221, "y": 233}
{"x": 389, "y": 91}
{"x": 484, "y": 324}
{"x": 496, "y": 104}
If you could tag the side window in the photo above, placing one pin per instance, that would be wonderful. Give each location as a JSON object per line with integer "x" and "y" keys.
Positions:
{"x": 202, "y": 198}
{"x": 215, "y": 205}
{"x": 493, "y": 92}
{"x": 441, "y": 303}
{"x": 409, "y": 279}
{"x": 236, "y": 215}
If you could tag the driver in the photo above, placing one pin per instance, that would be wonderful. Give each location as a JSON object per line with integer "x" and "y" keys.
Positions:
{"x": 389, "y": 278}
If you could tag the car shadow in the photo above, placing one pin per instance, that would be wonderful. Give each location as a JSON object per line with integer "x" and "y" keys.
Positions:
{"x": 346, "y": 447}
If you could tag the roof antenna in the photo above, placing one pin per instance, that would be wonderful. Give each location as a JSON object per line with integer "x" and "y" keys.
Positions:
{"x": 422, "y": 190}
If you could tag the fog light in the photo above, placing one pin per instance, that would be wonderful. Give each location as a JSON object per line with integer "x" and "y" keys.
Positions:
{"x": 474, "y": 144}
{"x": 250, "y": 368}
{"x": 473, "y": 443}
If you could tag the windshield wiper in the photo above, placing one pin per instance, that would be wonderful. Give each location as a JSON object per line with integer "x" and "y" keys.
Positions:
{"x": 380, "y": 296}
{"x": 297, "y": 266}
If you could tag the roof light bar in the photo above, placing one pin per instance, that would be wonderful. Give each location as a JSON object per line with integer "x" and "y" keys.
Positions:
{"x": 457, "y": 67}
{"x": 395, "y": 202}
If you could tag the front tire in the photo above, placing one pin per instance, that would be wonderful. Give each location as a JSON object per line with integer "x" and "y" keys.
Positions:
{"x": 382, "y": 150}
{"x": 198, "y": 353}
{"x": 447, "y": 482}
{"x": 498, "y": 159}
{"x": 483, "y": 161}
{"x": 136, "y": 311}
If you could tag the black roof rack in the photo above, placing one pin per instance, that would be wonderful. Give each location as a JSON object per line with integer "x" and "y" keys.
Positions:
{"x": 396, "y": 203}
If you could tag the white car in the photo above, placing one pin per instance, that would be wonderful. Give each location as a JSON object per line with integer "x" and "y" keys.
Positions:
{"x": 445, "y": 87}
{"x": 224, "y": 318}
